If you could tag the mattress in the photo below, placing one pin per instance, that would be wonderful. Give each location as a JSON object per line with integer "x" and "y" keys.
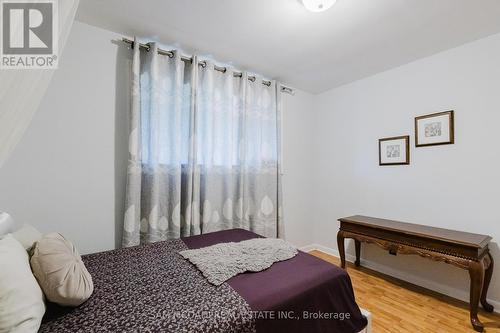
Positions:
{"x": 151, "y": 288}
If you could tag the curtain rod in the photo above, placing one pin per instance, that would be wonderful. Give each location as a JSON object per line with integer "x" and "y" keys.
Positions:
{"x": 170, "y": 54}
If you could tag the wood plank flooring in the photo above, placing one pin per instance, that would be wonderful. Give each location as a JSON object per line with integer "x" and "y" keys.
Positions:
{"x": 399, "y": 306}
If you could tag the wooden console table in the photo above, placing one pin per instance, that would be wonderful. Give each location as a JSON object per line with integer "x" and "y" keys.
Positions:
{"x": 465, "y": 250}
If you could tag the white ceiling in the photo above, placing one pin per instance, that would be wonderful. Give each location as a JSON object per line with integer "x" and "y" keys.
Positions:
{"x": 311, "y": 51}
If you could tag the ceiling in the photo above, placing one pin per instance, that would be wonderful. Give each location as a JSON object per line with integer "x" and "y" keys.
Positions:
{"x": 310, "y": 51}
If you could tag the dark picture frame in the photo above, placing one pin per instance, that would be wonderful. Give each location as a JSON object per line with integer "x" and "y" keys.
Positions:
{"x": 382, "y": 160}
{"x": 435, "y": 132}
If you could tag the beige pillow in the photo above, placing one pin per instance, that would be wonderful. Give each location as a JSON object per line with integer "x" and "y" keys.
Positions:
{"x": 21, "y": 300}
{"x": 60, "y": 271}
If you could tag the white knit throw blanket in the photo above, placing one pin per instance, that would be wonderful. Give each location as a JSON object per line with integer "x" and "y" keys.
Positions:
{"x": 220, "y": 262}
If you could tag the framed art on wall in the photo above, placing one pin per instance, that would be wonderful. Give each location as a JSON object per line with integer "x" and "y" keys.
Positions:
{"x": 434, "y": 129}
{"x": 394, "y": 151}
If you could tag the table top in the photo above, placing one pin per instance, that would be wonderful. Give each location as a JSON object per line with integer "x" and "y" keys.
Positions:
{"x": 447, "y": 235}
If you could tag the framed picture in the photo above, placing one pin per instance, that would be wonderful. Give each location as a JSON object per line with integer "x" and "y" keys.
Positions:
{"x": 434, "y": 129}
{"x": 394, "y": 151}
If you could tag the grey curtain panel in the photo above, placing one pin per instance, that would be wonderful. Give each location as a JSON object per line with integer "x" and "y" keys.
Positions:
{"x": 204, "y": 151}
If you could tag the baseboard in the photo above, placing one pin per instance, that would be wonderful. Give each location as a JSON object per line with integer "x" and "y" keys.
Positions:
{"x": 428, "y": 284}
{"x": 309, "y": 248}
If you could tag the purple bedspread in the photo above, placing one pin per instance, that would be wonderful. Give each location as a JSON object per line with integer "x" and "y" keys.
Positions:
{"x": 294, "y": 295}
{"x": 151, "y": 288}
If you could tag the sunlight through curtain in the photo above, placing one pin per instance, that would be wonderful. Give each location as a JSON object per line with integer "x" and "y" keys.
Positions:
{"x": 204, "y": 151}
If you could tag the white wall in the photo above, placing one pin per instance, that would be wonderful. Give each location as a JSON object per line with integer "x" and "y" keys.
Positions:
{"x": 61, "y": 177}
{"x": 297, "y": 167}
{"x": 452, "y": 186}
{"x": 68, "y": 173}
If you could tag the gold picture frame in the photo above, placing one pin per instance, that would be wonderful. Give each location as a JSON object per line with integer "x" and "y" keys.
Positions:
{"x": 394, "y": 150}
{"x": 435, "y": 129}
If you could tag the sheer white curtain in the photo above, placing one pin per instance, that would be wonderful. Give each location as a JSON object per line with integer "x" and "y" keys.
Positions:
{"x": 204, "y": 151}
{"x": 21, "y": 91}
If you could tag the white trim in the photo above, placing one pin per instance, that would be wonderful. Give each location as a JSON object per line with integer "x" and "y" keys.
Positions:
{"x": 309, "y": 248}
{"x": 428, "y": 284}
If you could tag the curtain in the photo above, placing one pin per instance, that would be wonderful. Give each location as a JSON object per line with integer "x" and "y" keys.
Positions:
{"x": 22, "y": 90}
{"x": 204, "y": 151}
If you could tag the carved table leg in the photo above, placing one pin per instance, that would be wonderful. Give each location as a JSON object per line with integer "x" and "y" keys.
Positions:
{"x": 487, "y": 278}
{"x": 340, "y": 244}
{"x": 476, "y": 272}
{"x": 357, "y": 245}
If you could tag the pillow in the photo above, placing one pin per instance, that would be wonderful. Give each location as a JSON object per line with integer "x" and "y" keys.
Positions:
{"x": 27, "y": 236}
{"x": 21, "y": 300}
{"x": 60, "y": 271}
{"x": 7, "y": 224}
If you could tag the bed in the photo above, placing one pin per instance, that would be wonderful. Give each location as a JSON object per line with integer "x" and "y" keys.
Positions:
{"x": 151, "y": 288}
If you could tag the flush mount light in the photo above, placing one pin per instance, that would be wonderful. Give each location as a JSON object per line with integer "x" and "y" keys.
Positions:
{"x": 318, "y": 5}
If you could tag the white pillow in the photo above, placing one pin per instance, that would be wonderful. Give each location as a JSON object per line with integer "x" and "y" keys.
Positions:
{"x": 21, "y": 299}
{"x": 7, "y": 224}
{"x": 27, "y": 236}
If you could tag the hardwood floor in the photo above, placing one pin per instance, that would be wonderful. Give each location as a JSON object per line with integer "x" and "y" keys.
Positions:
{"x": 399, "y": 306}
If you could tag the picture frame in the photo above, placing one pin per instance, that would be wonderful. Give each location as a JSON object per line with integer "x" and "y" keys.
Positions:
{"x": 435, "y": 129}
{"x": 394, "y": 150}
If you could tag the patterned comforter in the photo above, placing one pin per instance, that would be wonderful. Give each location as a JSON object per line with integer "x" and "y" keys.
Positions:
{"x": 152, "y": 288}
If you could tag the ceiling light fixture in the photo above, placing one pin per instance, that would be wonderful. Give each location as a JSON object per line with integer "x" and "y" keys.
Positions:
{"x": 318, "y": 5}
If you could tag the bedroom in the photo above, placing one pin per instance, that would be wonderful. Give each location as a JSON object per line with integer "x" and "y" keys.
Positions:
{"x": 332, "y": 127}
